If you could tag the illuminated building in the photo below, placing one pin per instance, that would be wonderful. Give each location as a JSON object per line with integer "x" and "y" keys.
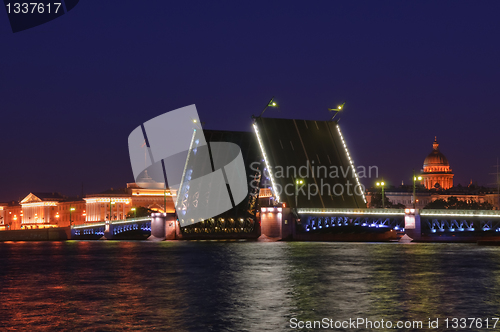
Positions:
{"x": 436, "y": 173}
{"x": 3, "y": 211}
{"x": 437, "y": 183}
{"x": 10, "y": 215}
{"x": 42, "y": 210}
{"x": 403, "y": 195}
{"x": 145, "y": 193}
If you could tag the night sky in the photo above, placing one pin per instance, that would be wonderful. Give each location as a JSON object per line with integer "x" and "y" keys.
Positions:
{"x": 72, "y": 90}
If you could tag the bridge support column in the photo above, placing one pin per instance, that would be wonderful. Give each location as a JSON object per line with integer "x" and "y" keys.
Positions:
{"x": 413, "y": 227}
{"x": 163, "y": 226}
{"x": 277, "y": 223}
{"x": 171, "y": 227}
{"x": 108, "y": 230}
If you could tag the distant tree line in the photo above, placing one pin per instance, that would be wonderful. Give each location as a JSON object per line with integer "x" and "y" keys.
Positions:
{"x": 454, "y": 203}
{"x": 140, "y": 212}
{"x": 376, "y": 202}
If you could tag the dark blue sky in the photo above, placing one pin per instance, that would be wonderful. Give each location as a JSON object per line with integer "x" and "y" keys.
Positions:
{"x": 73, "y": 89}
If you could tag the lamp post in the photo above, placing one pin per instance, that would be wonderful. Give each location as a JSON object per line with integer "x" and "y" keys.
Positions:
{"x": 336, "y": 110}
{"x": 415, "y": 178}
{"x": 297, "y": 183}
{"x": 135, "y": 212}
{"x": 165, "y": 200}
{"x": 71, "y": 209}
{"x": 110, "y": 204}
{"x": 271, "y": 103}
{"x": 381, "y": 184}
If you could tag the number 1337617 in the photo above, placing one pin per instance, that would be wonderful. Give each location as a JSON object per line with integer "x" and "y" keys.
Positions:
{"x": 33, "y": 8}
{"x": 470, "y": 323}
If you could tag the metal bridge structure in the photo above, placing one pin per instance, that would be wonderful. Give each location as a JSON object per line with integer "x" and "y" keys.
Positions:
{"x": 463, "y": 225}
{"x": 132, "y": 228}
{"x": 221, "y": 226}
{"x": 339, "y": 220}
{"x": 306, "y": 171}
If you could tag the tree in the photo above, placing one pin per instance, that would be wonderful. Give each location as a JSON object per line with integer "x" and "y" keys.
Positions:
{"x": 398, "y": 206}
{"x": 437, "y": 204}
{"x": 140, "y": 211}
{"x": 454, "y": 203}
{"x": 376, "y": 202}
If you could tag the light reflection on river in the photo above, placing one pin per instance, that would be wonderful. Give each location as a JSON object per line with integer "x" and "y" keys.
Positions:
{"x": 239, "y": 286}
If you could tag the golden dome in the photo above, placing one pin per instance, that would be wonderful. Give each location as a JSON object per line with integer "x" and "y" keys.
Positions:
{"x": 435, "y": 158}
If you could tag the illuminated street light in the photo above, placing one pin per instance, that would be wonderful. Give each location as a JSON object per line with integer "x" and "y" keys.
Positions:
{"x": 381, "y": 184}
{"x": 415, "y": 178}
{"x": 110, "y": 204}
{"x": 135, "y": 212}
{"x": 336, "y": 110}
{"x": 297, "y": 183}
{"x": 165, "y": 200}
{"x": 71, "y": 209}
{"x": 271, "y": 103}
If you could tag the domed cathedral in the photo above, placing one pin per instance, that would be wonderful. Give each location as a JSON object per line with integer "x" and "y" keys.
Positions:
{"x": 437, "y": 173}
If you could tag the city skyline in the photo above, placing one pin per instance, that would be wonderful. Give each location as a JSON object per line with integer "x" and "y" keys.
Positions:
{"x": 249, "y": 166}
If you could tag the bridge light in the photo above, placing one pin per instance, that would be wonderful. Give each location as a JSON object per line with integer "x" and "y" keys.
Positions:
{"x": 261, "y": 144}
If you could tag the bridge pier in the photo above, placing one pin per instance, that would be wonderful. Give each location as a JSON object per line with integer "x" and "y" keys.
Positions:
{"x": 163, "y": 226}
{"x": 277, "y": 223}
{"x": 413, "y": 227}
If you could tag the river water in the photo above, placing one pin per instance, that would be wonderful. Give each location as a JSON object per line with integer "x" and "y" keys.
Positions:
{"x": 242, "y": 286}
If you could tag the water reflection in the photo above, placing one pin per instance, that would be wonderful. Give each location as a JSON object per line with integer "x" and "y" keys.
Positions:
{"x": 239, "y": 286}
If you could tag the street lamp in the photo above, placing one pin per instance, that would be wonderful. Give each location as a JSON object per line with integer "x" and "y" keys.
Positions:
{"x": 415, "y": 178}
{"x": 165, "y": 200}
{"x": 271, "y": 103}
{"x": 110, "y": 204}
{"x": 71, "y": 209}
{"x": 135, "y": 212}
{"x": 336, "y": 110}
{"x": 297, "y": 183}
{"x": 381, "y": 184}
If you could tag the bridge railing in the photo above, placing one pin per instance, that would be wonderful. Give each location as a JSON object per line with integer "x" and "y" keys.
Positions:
{"x": 130, "y": 220}
{"x": 114, "y": 222}
{"x": 460, "y": 213}
{"x": 95, "y": 224}
{"x": 355, "y": 211}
